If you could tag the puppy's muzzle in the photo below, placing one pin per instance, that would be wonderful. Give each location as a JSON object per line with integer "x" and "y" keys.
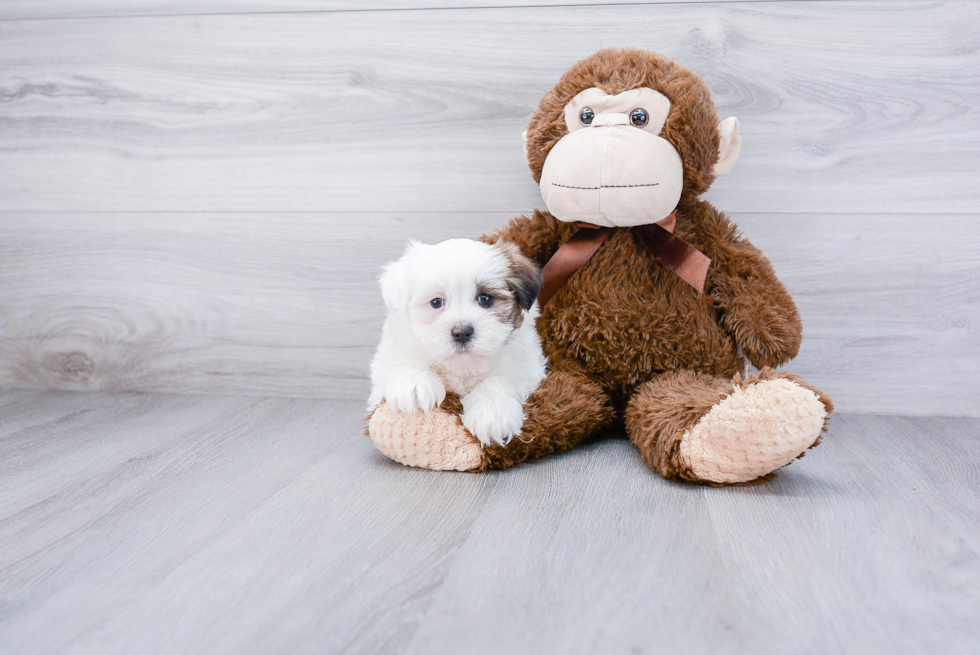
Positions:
{"x": 462, "y": 334}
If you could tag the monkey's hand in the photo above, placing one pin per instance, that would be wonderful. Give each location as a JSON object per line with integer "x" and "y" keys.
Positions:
{"x": 756, "y": 308}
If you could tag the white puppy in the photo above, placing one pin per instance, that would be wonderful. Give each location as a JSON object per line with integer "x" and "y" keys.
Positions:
{"x": 461, "y": 318}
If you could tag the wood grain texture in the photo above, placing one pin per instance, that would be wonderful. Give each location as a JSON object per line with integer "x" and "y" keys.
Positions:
{"x": 202, "y": 524}
{"x": 201, "y": 203}
{"x": 287, "y": 304}
{"x": 822, "y": 560}
{"x": 162, "y": 507}
{"x": 34, "y": 9}
{"x": 845, "y": 106}
{"x": 268, "y": 303}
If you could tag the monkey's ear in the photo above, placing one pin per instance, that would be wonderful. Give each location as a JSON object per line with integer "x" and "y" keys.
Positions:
{"x": 731, "y": 145}
{"x": 524, "y": 137}
{"x": 394, "y": 281}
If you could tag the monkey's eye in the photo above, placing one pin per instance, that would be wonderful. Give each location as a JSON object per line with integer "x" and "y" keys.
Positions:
{"x": 485, "y": 300}
{"x": 639, "y": 117}
{"x": 586, "y": 116}
{"x": 436, "y": 303}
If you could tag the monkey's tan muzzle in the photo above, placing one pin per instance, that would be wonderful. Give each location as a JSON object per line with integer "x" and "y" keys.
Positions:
{"x": 612, "y": 174}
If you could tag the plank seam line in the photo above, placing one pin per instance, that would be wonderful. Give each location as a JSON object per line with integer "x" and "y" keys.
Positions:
{"x": 448, "y": 212}
{"x": 421, "y": 9}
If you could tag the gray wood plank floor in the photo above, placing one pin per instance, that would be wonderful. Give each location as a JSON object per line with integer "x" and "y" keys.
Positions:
{"x": 206, "y": 524}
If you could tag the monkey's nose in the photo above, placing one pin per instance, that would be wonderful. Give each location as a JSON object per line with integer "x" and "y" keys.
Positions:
{"x": 611, "y": 118}
{"x": 462, "y": 333}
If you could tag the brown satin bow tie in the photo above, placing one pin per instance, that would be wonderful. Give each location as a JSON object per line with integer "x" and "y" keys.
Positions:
{"x": 686, "y": 261}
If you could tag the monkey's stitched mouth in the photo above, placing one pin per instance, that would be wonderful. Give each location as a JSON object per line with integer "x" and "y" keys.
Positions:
{"x": 603, "y": 186}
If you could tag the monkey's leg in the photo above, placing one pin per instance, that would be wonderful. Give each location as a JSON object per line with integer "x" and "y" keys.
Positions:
{"x": 435, "y": 440}
{"x": 700, "y": 428}
{"x": 566, "y": 409}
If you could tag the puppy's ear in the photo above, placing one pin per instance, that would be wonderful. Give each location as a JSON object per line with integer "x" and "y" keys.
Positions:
{"x": 394, "y": 280}
{"x": 525, "y": 275}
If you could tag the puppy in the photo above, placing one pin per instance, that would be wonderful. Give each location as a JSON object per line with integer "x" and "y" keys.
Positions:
{"x": 461, "y": 318}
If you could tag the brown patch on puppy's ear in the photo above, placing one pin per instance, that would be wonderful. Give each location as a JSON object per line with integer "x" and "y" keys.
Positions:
{"x": 525, "y": 275}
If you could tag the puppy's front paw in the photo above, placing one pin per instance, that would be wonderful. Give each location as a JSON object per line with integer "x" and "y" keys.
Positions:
{"x": 492, "y": 416}
{"x": 411, "y": 389}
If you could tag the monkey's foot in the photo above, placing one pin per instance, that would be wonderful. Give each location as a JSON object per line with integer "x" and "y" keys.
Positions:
{"x": 436, "y": 440}
{"x": 760, "y": 426}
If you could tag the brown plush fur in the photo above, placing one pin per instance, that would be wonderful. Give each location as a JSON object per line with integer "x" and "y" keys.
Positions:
{"x": 664, "y": 409}
{"x": 568, "y": 407}
{"x": 629, "y": 332}
{"x": 624, "y": 318}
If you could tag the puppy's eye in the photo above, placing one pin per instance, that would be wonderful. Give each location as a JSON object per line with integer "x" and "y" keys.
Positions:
{"x": 639, "y": 117}
{"x": 586, "y": 116}
{"x": 436, "y": 303}
{"x": 485, "y": 300}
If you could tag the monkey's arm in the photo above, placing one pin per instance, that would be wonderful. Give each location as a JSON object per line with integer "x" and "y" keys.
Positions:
{"x": 538, "y": 236}
{"x": 755, "y": 306}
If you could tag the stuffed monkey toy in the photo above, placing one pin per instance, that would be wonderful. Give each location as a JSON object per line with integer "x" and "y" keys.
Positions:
{"x": 650, "y": 298}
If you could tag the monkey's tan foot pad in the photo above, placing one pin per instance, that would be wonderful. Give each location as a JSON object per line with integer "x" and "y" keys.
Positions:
{"x": 436, "y": 440}
{"x": 755, "y": 430}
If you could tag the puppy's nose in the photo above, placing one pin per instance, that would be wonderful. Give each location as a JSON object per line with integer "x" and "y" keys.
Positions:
{"x": 462, "y": 333}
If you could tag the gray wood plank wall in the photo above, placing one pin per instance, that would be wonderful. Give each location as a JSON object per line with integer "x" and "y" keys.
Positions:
{"x": 201, "y": 202}
{"x": 31, "y": 9}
